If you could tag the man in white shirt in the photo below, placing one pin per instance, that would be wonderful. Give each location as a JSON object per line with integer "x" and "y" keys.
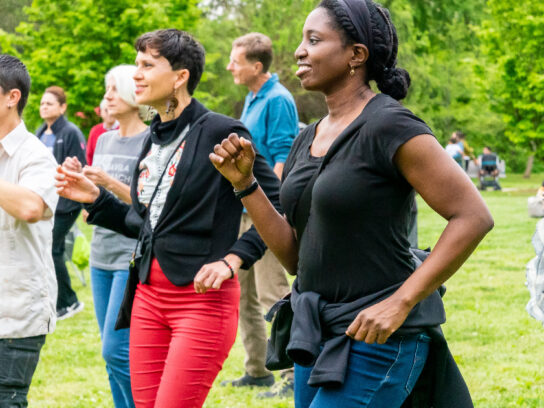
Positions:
{"x": 28, "y": 288}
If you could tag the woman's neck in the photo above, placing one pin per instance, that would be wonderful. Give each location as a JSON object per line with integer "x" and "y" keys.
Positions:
{"x": 50, "y": 123}
{"x": 183, "y": 102}
{"x": 130, "y": 124}
{"x": 348, "y": 100}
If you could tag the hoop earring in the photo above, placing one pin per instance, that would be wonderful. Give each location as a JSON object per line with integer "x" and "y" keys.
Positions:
{"x": 352, "y": 71}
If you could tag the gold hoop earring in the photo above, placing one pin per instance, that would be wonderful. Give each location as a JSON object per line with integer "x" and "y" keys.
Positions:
{"x": 352, "y": 71}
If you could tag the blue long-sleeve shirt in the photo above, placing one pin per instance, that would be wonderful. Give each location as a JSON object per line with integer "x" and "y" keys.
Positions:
{"x": 271, "y": 118}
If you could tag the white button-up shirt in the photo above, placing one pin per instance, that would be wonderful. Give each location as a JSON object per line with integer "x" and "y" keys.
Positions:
{"x": 28, "y": 286}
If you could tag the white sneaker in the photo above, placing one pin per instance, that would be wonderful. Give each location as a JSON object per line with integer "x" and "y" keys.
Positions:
{"x": 69, "y": 311}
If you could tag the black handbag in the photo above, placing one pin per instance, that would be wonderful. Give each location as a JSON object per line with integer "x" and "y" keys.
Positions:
{"x": 276, "y": 350}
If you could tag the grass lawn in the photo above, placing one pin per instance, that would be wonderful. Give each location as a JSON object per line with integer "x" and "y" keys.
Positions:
{"x": 496, "y": 344}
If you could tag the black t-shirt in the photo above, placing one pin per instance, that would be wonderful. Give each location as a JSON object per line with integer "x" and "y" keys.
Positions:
{"x": 356, "y": 238}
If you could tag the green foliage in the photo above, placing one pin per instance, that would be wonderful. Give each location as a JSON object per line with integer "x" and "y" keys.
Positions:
{"x": 512, "y": 42}
{"x": 226, "y": 20}
{"x": 476, "y": 65}
{"x": 438, "y": 46}
{"x": 11, "y": 13}
{"x": 73, "y": 43}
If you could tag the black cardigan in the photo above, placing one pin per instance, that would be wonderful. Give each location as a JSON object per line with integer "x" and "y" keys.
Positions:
{"x": 69, "y": 142}
{"x": 200, "y": 220}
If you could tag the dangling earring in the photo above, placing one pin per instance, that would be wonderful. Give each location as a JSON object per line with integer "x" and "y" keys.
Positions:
{"x": 172, "y": 103}
{"x": 352, "y": 71}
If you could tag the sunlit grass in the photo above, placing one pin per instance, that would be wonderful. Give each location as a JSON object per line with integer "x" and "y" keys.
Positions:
{"x": 499, "y": 348}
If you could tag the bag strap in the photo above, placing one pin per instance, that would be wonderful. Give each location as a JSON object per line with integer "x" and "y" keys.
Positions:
{"x": 184, "y": 133}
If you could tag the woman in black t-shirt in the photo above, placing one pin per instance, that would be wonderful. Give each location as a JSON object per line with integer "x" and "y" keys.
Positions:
{"x": 348, "y": 244}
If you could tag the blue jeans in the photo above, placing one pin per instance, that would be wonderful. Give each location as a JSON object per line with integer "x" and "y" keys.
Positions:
{"x": 18, "y": 361}
{"x": 378, "y": 375}
{"x": 108, "y": 289}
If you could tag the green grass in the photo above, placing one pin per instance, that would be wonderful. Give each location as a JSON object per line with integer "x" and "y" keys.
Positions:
{"x": 499, "y": 348}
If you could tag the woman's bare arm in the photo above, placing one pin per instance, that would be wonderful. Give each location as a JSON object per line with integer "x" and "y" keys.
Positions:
{"x": 234, "y": 158}
{"x": 447, "y": 189}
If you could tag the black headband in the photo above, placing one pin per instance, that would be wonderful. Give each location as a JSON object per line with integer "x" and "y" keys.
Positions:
{"x": 359, "y": 14}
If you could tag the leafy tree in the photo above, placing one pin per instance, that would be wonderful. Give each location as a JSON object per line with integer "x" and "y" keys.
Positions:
{"x": 11, "y": 13}
{"x": 225, "y": 20}
{"x": 73, "y": 43}
{"x": 438, "y": 47}
{"x": 512, "y": 39}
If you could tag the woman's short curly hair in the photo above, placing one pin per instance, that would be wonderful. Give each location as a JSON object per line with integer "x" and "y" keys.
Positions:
{"x": 180, "y": 49}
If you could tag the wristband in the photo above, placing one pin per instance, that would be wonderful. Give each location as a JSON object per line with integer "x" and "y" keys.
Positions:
{"x": 241, "y": 194}
{"x": 228, "y": 266}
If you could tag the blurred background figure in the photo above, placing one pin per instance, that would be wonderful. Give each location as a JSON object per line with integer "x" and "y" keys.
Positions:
{"x": 468, "y": 152}
{"x": 63, "y": 139}
{"x": 488, "y": 162}
{"x": 455, "y": 151}
{"x": 108, "y": 123}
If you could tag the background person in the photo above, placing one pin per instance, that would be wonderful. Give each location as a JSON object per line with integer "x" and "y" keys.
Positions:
{"x": 455, "y": 151}
{"x": 355, "y": 273}
{"x": 185, "y": 313}
{"x": 64, "y": 139}
{"x": 468, "y": 152}
{"x": 271, "y": 117}
{"x": 108, "y": 123}
{"x": 488, "y": 164}
{"x": 115, "y": 160}
{"x": 27, "y": 202}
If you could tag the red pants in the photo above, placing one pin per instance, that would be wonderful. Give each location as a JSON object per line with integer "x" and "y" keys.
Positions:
{"x": 179, "y": 340}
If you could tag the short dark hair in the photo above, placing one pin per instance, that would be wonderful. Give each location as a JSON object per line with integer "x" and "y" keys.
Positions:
{"x": 258, "y": 48}
{"x": 460, "y": 135}
{"x": 382, "y": 61}
{"x": 14, "y": 75}
{"x": 180, "y": 49}
{"x": 58, "y": 93}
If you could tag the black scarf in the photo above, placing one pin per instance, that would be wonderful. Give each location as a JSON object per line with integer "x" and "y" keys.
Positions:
{"x": 163, "y": 133}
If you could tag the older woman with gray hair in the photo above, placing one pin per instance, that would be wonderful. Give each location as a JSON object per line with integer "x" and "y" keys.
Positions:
{"x": 114, "y": 160}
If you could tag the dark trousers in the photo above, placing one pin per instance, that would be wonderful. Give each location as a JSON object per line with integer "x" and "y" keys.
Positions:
{"x": 18, "y": 361}
{"x": 63, "y": 223}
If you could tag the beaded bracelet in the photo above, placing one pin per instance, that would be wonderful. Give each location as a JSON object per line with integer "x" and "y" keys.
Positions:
{"x": 228, "y": 266}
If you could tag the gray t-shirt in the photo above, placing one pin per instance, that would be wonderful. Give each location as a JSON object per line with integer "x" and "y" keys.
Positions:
{"x": 117, "y": 156}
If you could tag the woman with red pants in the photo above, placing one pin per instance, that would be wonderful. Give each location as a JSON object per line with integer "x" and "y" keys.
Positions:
{"x": 186, "y": 217}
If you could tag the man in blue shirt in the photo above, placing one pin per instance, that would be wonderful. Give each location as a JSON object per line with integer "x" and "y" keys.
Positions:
{"x": 271, "y": 117}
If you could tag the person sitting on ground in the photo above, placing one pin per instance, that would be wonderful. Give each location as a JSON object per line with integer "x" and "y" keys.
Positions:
{"x": 488, "y": 163}
{"x": 540, "y": 192}
{"x": 454, "y": 150}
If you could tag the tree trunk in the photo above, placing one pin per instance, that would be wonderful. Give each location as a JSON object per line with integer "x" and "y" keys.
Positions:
{"x": 530, "y": 161}
{"x": 529, "y": 166}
